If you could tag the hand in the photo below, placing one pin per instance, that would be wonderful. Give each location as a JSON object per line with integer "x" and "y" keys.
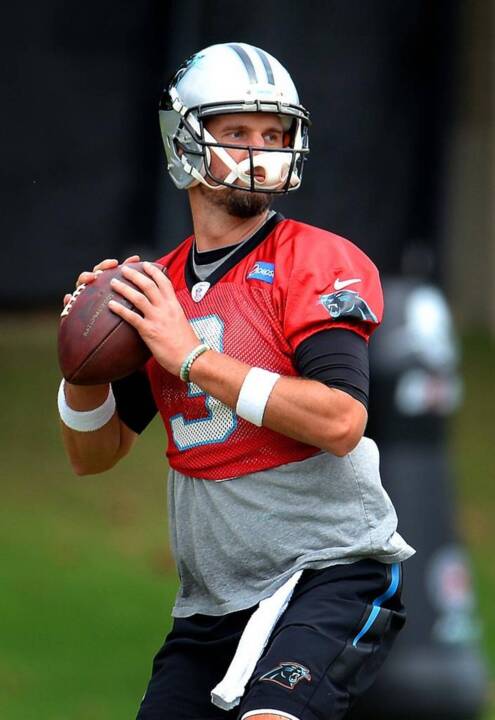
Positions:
{"x": 87, "y": 277}
{"x": 162, "y": 323}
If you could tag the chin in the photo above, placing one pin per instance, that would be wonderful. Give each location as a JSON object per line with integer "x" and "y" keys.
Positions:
{"x": 239, "y": 203}
{"x": 246, "y": 204}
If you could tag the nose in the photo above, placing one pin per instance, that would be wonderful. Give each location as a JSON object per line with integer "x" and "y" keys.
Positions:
{"x": 256, "y": 139}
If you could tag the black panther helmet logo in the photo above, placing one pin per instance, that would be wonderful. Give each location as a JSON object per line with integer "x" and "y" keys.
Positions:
{"x": 347, "y": 303}
{"x": 287, "y": 674}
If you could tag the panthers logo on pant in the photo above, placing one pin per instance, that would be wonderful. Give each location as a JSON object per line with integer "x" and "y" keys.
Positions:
{"x": 348, "y": 303}
{"x": 287, "y": 674}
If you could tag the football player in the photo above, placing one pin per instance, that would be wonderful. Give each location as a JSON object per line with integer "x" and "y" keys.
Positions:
{"x": 285, "y": 541}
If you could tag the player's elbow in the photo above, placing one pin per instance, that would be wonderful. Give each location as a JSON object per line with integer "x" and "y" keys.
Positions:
{"x": 84, "y": 471}
{"x": 94, "y": 461}
{"x": 345, "y": 433}
{"x": 344, "y": 443}
{"x": 100, "y": 452}
{"x": 84, "y": 467}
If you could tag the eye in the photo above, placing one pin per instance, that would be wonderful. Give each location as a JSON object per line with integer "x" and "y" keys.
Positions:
{"x": 236, "y": 134}
{"x": 273, "y": 137}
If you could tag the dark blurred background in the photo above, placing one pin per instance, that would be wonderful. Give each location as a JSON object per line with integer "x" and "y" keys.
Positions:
{"x": 397, "y": 93}
{"x": 402, "y": 99}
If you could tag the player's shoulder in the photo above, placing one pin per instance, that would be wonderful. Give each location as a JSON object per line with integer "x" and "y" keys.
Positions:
{"x": 307, "y": 242}
{"x": 324, "y": 280}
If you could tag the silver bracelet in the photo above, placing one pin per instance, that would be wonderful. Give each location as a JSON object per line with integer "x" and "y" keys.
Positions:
{"x": 85, "y": 420}
{"x": 254, "y": 393}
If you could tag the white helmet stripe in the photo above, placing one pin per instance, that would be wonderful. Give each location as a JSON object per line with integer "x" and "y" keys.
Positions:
{"x": 248, "y": 63}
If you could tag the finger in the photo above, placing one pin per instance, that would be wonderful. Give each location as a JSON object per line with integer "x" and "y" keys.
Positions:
{"x": 85, "y": 278}
{"x": 137, "y": 298}
{"x": 143, "y": 282}
{"x": 126, "y": 314}
{"x": 88, "y": 277}
{"x": 67, "y": 299}
{"x": 131, "y": 259}
{"x": 158, "y": 275}
{"x": 106, "y": 264}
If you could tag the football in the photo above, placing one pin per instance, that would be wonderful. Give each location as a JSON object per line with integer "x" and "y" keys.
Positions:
{"x": 95, "y": 345}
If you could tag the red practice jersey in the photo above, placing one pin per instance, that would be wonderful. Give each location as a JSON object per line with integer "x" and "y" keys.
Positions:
{"x": 286, "y": 283}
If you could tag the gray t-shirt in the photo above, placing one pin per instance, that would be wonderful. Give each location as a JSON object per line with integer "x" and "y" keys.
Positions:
{"x": 236, "y": 541}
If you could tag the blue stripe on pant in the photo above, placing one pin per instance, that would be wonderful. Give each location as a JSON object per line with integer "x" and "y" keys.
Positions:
{"x": 389, "y": 592}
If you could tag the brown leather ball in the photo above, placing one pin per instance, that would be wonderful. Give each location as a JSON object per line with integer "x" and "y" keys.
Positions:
{"x": 95, "y": 345}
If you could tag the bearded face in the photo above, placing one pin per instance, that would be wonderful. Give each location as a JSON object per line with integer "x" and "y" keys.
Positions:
{"x": 238, "y": 203}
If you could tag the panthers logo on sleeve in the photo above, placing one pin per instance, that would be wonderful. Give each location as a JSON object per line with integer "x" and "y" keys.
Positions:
{"x": 347, "y": 303}
{"x": 287, "y": 674}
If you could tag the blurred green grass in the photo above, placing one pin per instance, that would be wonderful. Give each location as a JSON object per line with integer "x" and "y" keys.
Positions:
{"x": 473, "y": 454}
{"x": 86, "y": 578}
{"x": 87, "y": 581}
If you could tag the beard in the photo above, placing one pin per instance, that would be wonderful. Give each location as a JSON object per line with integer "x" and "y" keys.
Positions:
{"x": 238, "y": 203}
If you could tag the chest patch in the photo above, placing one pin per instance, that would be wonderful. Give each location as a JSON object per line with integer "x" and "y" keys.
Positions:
{"x": 262, "y": 270}
{"x": 199, "y": 290}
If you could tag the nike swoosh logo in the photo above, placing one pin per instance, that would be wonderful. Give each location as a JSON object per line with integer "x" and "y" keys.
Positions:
{"x": 341, "y": 284}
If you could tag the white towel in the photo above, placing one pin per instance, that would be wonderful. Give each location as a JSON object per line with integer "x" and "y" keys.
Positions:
{"x": 227, "y": 694}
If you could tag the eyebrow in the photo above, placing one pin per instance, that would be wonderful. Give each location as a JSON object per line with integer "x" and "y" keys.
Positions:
{"x": 240, "y": 126}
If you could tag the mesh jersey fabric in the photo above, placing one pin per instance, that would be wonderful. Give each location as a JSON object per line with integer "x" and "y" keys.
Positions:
{"x": 297, "y": 281}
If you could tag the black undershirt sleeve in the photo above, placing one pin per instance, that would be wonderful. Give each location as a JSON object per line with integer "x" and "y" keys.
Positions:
{"x": 338, "y": 358}
{"x": 134, "y": 400}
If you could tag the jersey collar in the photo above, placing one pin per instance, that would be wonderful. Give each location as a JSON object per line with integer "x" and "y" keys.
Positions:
{"x": 230, "y": 262}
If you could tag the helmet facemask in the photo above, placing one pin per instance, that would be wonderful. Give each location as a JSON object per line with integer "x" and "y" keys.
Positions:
{"x": 192, "y": 97}
{"x": 282, "y": 167}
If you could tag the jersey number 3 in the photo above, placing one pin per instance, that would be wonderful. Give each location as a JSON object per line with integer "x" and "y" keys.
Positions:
{"x": 221, "y": 421}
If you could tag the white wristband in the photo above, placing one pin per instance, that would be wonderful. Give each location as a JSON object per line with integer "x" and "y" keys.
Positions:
{"x": 85, "y": 420}
{"x": 254, "y": 394}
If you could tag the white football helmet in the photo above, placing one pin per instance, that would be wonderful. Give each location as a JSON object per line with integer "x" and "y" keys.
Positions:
{"x": 232, "y": 78}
